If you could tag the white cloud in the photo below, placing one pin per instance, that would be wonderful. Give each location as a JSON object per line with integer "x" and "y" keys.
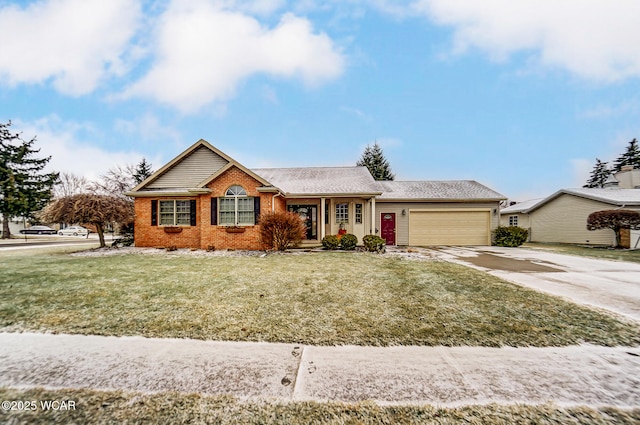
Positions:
{"x": 68, "y": 152}
{"x": 596, "y": 40}
{"x": 204, "y": 52}
{"x": 148, "y": 128}
{"x": 74, "y": 43}
{"x": 607, "y": 111}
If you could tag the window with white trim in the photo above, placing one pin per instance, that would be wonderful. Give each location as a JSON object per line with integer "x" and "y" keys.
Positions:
{"x": 175, "y": 213}
{"x": 513, "y": 220}
{"x": 236, "y": 208}
{"x": 342, "y": 213}
{"x": 358, "y": 215}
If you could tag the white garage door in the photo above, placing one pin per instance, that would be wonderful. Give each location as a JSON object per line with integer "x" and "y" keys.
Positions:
{"x": 449, "y": 227}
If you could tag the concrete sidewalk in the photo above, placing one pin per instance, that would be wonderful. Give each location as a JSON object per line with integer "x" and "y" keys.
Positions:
{"x": 576, "y": 375}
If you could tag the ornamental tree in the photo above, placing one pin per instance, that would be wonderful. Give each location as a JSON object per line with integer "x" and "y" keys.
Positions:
{"x": 281, "y": 230}
{"x": 89, "y": 208}
{"x": 614, "y": 220}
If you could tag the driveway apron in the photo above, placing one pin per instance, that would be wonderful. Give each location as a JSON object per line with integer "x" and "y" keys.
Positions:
{"x": 604, "y": 284}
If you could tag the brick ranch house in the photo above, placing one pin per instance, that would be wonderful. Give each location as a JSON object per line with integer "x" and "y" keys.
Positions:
{"x": 204, "y": 198}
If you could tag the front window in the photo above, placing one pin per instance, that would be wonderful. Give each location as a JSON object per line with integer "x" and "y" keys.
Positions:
{"x": 342, "y": 213}
{"x": 513, "y": 220}
{"x": 175, "y": 213}
{"x": 236, "y": 208}
{"x": 359, "y": 213}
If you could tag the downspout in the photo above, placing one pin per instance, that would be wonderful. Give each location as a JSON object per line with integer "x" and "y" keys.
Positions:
{"x": 273, "y": 201}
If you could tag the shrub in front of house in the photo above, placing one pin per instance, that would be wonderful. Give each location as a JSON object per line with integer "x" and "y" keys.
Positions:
{"x": 281, "y": 230}
{"x": 511, "y": 236}
{"x": 330, "y": 242}
{"x": 374, "y": 243}
{"x": 348, "y": 242}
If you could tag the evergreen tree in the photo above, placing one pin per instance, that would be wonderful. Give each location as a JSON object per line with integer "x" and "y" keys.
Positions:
{"x": 24, "y": 188}
{"x": 143, "y": 171}
{"x": 630, "y": 157}
{"x": 599, "y": 175}
{"x": 373, "y": 158}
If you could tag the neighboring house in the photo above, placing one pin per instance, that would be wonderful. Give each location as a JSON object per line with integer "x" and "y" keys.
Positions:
{"x": 15, "y": 225}
{"x": 562, "y": 216}
{"x": 204, "y": 198}
{"x": 516, "y": 215}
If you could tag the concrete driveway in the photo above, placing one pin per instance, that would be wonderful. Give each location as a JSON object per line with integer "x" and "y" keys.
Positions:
{"x": 605, "y": 284}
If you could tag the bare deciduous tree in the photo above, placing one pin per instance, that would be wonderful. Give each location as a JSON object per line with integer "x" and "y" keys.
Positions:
{"x": 115, "y": 182}
{"x": 90, "y": 208}
{"x": 70, "y": 184}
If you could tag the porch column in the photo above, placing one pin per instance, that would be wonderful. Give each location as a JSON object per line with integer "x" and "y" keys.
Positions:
{"x": 321, "y": 218}
{"x": 373, "y": 216}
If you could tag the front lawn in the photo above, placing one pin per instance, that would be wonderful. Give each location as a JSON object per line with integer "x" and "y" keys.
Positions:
{"x": 309, "y": 298}
{"x": 88, "y": 406}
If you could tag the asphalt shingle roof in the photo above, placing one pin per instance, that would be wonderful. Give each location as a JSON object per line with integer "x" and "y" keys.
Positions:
{"x": 520, "y": 206}
{"x": 612, "y": 196}
{"x": 437, "y": 190}
{"x": 321, "y": 180}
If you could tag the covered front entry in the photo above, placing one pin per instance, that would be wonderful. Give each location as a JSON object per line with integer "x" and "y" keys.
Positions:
{"x": 450, "y": 227}
{"x": 308, "y": 214}
{"x": 388, "y": 227}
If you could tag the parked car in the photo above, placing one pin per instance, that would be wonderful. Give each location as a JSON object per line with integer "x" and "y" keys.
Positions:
{"x": 38, "y": 230}
{"x": 73, "y": 231}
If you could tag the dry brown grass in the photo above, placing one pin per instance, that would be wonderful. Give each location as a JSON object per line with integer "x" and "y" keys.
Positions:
{"x": 118, "y": 407}
{"x": 313, "y": 298}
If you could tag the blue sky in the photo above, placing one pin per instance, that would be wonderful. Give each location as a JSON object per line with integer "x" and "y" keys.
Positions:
{"x": 520, "y": 96}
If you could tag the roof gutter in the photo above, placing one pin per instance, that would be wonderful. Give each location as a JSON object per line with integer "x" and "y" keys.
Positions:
{"x": 333, "y": 195}
{"x": 154, "y": 194}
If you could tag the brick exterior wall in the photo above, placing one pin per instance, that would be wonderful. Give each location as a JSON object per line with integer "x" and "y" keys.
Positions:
{"x": 204, "y": 234}
{"x": 147, "y": 235}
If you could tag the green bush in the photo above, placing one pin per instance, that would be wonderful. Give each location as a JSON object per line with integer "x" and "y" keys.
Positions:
{"x": 510, "y": 236}
{"x": 330, "y": 242}
{"x": 373, "y": 243}
{"x": 348, "y": 242}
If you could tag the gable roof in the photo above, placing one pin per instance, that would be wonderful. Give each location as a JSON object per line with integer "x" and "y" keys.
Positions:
{"x": 429, "y": 190}
{"x": 317, "y": 181}
{"x": 190, "y": 172}
{"x": 520, "y": 206}
{"x": 617, "y": 197}
{"x": 193, "y": 169}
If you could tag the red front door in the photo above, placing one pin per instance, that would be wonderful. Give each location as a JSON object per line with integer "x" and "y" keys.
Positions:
{"x": 388, "y": 225}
